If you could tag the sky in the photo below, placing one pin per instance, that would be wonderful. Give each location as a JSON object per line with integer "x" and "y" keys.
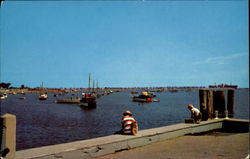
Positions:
{"x": 124, "y": 43}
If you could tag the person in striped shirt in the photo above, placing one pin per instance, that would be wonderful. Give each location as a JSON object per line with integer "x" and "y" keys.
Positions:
{"x": 129, "y": 124}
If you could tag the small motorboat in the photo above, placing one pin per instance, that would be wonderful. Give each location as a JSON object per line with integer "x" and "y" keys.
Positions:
{"x": 43, "y": 96}
{"x": 3, "y": 96}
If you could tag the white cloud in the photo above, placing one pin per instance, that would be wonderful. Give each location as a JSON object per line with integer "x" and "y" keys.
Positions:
{"x": 220, "y": 60}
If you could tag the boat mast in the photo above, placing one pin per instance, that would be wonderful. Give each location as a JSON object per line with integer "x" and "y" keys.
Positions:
{"x": 89, "y": 82}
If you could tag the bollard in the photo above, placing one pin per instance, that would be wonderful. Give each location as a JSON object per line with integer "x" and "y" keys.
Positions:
{"x": 8, "y": 135}
{"x": 216, "y": 114}
{"x": 219, "y": 102}
{"x": 230, "y": 103}
{"x": 226, "y": 114}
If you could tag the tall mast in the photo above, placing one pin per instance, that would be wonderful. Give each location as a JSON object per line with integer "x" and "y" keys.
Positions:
{"x": 89, "y": 81}
{"x": 93, "y": 85}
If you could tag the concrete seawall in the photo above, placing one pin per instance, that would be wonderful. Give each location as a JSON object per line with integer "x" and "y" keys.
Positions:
{"x": 91, "y": 148}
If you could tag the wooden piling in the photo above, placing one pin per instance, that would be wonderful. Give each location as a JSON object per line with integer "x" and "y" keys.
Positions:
{"x": 8, "y": 136}
{"x": 203, "y": 104}
{"x": 219, "y": 102}
{"x": 203, "y": 97}
{"x": 210, "y": 107}
{"x": 230, "y": 102}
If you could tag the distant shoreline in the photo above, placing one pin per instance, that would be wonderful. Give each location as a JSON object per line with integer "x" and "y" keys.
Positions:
{"x": 53, "y": 90}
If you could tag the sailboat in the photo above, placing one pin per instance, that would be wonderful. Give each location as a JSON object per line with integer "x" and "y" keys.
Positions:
{"x": 42, "y": 96}
{"x": 88, "y": 99}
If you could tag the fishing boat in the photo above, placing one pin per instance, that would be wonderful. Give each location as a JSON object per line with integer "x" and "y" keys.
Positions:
{"x": 88, "y": 101}
{"x": 145, "y": 97}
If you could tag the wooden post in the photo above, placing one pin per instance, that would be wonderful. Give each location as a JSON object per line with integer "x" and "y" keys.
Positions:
{"x": 219, "y": 102}
{"x": 203, "y": 104}
{"x": 8, "y": 135}
{"x": 210, "y": 107}
{"x": 203, "y": 97}
{"x": 230, "y": 103}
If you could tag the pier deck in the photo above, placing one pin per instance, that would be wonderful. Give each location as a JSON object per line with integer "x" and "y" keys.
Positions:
{"x": 216, "y": 145}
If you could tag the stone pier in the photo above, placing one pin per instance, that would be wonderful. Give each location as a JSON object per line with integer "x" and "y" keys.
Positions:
{"x": 92, "y": 148}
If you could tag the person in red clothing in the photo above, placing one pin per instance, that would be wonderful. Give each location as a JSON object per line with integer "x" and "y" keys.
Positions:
{"x": 129, "y": 124}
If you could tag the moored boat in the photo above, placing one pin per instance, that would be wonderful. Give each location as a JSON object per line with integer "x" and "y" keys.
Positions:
{"x": 133, "y": 92}
{"x": 88, "y": 101}
{"x": 22, "y": 97}
{"x": 173, "y": 90}
{"x": 3, "y": 96}
{"x": 43, "y": 96}
{"x": 68, "y": 100}
{"x": 145, "y": 97}
{"x": 223, "y": 86}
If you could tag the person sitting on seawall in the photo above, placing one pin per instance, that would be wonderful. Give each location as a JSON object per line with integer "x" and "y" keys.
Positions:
{"x": 129, "y": 124}
{"x": 195, "y": 113}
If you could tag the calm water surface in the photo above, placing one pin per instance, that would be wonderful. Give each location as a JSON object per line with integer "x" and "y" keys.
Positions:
{"x": 41, "y": 123}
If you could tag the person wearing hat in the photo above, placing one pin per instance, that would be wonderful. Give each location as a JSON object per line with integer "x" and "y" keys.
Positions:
{"x": 129, "y": 124}
{"x": 195, "y": 113}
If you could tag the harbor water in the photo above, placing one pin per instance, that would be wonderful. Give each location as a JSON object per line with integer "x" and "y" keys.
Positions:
{"x": 44, "y": 122}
